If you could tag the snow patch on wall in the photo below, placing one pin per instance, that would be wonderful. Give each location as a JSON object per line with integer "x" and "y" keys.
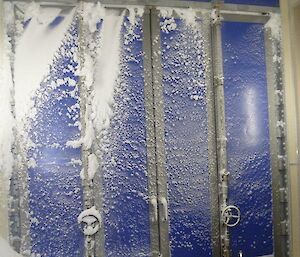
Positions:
{"x": 31, "y": 10}
{"x": 134, "y": 13}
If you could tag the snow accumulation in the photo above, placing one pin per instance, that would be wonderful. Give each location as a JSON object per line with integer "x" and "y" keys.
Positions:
{"x": 274, "y": 24}
{"x": 38, "y": 36}
{"x": 99, "y": 72}
{"x": 92, "y": 14}
{"x": 100, "y": 67}
{"x": 107, "y": 69}
{"x": 6, "y": 250}
{"x": 188, "y": 15}
{"x": 89, "y": 212}
{"x": 165, "y": 12}
{"x": 34, "y": 53}
{"x": 92, "y": 165}
{"x": 168, "y": 24}
{"x": 6, "y": 118}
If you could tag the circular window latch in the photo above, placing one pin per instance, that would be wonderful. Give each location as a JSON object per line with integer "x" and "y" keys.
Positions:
{"x": 231, "y": 215}
{"x": 90, "y": 220}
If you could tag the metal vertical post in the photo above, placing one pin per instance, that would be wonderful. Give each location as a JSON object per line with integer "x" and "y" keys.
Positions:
{"x": 83, "y": 102}
{"x": 212, "y": 144}
{"x": 83, "y": 109}
{"x": 18, "y": 214}
{"x": 85, "y": 112}
{"x": 218, "y": 81}
{"x": 14, "y": 203}
{"x": 159, "y": 123}
{"x": 150, "y": 128}
{"x": 280, "y": 180}
{"x": 282, "y": 155}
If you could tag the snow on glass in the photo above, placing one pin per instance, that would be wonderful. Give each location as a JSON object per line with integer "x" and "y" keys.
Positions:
{"x": 102, "y": 71}
{"x": 39, "y": 36}
{"x": 184, "y": 62}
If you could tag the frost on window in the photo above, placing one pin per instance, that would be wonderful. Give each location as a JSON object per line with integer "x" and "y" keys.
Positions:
{"x": 77, "y": 90}
{"x": 66, "y": 96}
{"x": 184, "y": 62}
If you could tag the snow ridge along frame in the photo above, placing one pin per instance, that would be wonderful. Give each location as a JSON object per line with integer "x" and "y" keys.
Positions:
{"x": 280, "y": 174}
{"x": 158, "y": 104}
{"x": 151, "y": 136}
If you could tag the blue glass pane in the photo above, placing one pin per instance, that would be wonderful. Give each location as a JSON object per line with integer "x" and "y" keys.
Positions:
{"x": 273, "y": 3}
{"x": 126, "y": 208}
{"x": 55, "y": 194}
{"x": 186, "y": 140}
{"x": 247, "y": 128}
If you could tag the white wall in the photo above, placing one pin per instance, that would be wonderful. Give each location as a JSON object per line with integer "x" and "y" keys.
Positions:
{"x": 3, "y": 182}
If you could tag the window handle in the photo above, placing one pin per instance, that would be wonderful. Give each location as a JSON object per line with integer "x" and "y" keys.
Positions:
{"x": 163, "y": 202}
{"x": 153, "y": 202}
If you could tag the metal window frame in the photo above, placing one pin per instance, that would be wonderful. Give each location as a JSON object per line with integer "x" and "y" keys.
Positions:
{"x": 218, "y": 87}
{"x": 162, "y": 176}
{"x": 150, "y": 134}
{"x": 280, "y": 176}
{"x": 212, "y": 142}
{"x": 92, "y": 189}
{"x": 21, "y": 179}
{"x": 278, "y": 146}
{"x": 159, "y": 120}
{"x": 164, "y": 3}
{"x": 246, "y": 16}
